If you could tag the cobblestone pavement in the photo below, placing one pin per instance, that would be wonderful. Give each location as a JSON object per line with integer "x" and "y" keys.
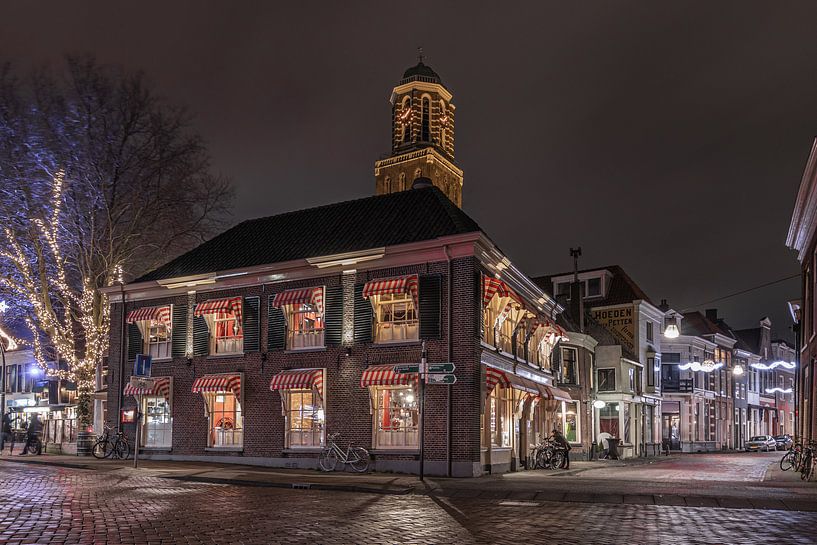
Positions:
{"x": 40, "y": 504}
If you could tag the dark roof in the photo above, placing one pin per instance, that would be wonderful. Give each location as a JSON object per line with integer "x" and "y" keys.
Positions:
{"x": 696, "y": 324}
{"x": 623, "y": 289}
{"x": 421, "y": 70}
{"x": 373, "y": 222}
{"x": 750, "y": 337}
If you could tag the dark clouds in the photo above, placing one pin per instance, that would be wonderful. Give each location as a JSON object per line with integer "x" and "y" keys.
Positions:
{"x": 668, "y": 138}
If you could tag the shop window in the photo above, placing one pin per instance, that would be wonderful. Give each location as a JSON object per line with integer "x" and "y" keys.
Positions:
{"x": 569, "y": 418}
{"x": 396, "y": 417}
{"x": 305, "y": 327}
{"x": 608, "y": 419}
{"x": 499, "y": 416}
{"x": 226, "y": 422}
{"x": 305, "y": 419}
{"x": 607, "y": 380}
{"x": 158, "y": 422}
{"x": 395, "y": 317}
{"x": 569, "y": 365}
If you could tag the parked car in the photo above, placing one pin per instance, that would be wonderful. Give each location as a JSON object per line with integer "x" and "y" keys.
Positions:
{"x": 761, "y": 442}
{"x": 784, "y": 442}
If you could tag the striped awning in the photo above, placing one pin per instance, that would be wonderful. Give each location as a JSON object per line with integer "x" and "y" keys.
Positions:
{"x": 298, "y": 379}
{"x": 384, "y": 375}
{"x": 397, "y": 285}
{"x": 312, "y": 296}
{"x": 493, "y": 286}
{"x": 554, "y": 328}
{"x": 218, "y": 383}
{"x": 161, "y": 387}
{"x": 495, "y": 376}
{"x": 158, "y": 314}
{"x": 214, "y": 306}
{"x": 558, "y": 394}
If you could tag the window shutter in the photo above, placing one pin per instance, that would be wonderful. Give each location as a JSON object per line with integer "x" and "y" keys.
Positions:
{"x": 363, "y": 317}
{"x": 201, "y": 336}
{"x": 178, "y": 347}
{"x": 276, "y": 328}
{"x": 430, "y": 286}
{"x": 478, "y": 303}
{"x": 135, "y": 341}
{"x": 333, "y": 315}
{"x": 556, "y": 360}
{"x": 251, "y": 318}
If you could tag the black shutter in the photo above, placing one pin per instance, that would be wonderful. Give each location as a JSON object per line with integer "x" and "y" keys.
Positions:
{"x": 201, "y": 336}
{"x": 276, "y": 328}
{"x": 134, "y": 342}
{"x": 363, "y": 317}
{"x": 430, "y": 303}
{"x": 251, "y": 318}
{"x": 556, "y": 361}
{"x": 178, "y": 339}
{"x": 333, "y": 315}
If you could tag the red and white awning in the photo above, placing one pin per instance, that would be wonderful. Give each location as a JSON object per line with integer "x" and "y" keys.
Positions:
{"x": 214, "y": 306}
{"x": 557, "y": 394}
{"x": 493, "y": 286}
{"x": 312, "y": 296}
{"x": 158, "y": 314}
{"x": 384, "y": 375}
{"x": 494, "y": 377}
{"x": 218, "y": 383}
{"x": 298, "y": 379}
{"x": 554, "y": 328}
{"x": 398, "y": 285}
{"x": 161, "y": 387}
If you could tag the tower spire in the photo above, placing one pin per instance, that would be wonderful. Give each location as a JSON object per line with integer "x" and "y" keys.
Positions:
{"x": 420, "y": 56}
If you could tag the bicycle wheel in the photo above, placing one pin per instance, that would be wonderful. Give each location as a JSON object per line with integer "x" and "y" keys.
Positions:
{"x": 805, "y": 467}
{"x": 121, "y": 449}
{"x": 557, "y": 459}
{"x": 101, "y": 449}
{"x": 542, "y": 459}
{"x": 328, "y": 460}
{"x": 787, "y": 461}
{"x": 359, "y": 459}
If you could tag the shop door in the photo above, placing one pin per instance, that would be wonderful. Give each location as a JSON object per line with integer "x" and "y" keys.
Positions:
{"x": 671, "y": 431}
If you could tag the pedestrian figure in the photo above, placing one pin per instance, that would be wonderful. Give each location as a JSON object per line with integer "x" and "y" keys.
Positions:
{"x": 5, "y": 431}
{"x": 33, "y": 435}
{"x": 560, "y": 440}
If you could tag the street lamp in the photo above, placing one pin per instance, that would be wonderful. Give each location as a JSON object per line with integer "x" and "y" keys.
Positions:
{"x": 737, "y": 370}
{"x": 671, "y": 330}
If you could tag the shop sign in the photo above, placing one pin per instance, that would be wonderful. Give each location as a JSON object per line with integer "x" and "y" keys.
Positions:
{"x": 619, "y": 322}
{"x": 128, "y": 416}
{"x": 142, "y": 383}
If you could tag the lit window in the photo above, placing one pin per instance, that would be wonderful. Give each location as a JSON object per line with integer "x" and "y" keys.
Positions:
{"x": 568, "y": 416}
{"x": 499, "y": 416}
{"x": 568, "y": 371}
{"x": 158, "y": 422}
{"x": 226, "y": 423}
{"x": 157, "y": 340}
{"x": 396, "y": 417}
{"x": 227, "y": 335}
{"x": 305, "y": 327}
{"x": 396, "y": 318}
{"x": 305, "y": 420}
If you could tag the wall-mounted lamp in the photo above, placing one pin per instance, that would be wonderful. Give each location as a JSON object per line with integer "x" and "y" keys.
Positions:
{"x": 599, "y": 404}
{"x": 348, "y": 351}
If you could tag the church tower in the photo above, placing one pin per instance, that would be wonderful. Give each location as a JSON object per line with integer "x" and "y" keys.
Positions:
{"x": 422, "y": 136}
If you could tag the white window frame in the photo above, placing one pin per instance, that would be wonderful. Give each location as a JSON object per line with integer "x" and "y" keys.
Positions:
{"x": 159, "y": 350}
{"x": 165, "y": 429}
{"x": 236, "y": 339}
{"x": 403, "y": 436}
{"x": 289, "y": 416}
{"x": 563, "y": 420}
{"x": 218, "y": 439}
{"x": 395, "y": 330}
{"x": 303, "y": 338}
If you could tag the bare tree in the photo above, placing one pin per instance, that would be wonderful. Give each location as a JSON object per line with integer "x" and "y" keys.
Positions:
{"x": 100, "y": 181}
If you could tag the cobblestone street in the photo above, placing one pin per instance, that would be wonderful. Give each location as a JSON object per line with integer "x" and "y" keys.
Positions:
{"x": 46, "y": 504}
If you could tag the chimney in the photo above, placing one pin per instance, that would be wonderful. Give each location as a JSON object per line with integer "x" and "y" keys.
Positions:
{"x": 577, "y": 304}
{"x": 712, "y": 315}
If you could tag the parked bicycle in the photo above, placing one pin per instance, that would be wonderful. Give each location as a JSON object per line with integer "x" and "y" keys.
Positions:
{"x": 792, "y": 458}
{"x": 807, "y": 462}
{"x": 547, "y": 455}
{"x": 111, "y": 447}
{"x": 356, "y": 457}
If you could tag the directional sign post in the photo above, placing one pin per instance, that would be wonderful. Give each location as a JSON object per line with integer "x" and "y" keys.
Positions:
{"x": 440, "y": 378}
{"x": 407, "y": 368}
{"x": 441, "y": 367}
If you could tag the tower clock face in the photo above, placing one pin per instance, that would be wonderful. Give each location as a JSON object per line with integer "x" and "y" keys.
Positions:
{"x": 405, "y": 114}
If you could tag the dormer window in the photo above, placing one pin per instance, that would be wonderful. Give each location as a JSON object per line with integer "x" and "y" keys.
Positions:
{"x": 593, "y": 287}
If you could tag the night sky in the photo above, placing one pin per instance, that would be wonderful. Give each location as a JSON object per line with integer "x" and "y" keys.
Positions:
{"x": 668, "y": 138}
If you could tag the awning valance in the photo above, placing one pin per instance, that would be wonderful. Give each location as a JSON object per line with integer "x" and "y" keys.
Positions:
{"x": 509, "y": 380}
{"x": 398, "y": 285}
{"x": 218, "y": 383}
{"x": 298, "y": 379}
{"x": 313, "y": 296}
{"x": 554, "y": 328}
{"x": 161, "y": 387}
{"x": 555, "y": 393}
{"x": 214, "y": 306}
{"x": 494, "y": 286}
{"x": 384, "y": 375}
{"x": 494, "y": 377}
{"x": 159, "y": 314}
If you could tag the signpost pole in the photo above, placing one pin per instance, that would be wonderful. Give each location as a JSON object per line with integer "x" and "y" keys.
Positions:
{"x": 421, "y": 377}
{"x": 136, "y": 440}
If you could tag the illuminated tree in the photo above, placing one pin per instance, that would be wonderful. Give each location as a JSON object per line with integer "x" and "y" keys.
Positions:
{"x": 100, "y": 181}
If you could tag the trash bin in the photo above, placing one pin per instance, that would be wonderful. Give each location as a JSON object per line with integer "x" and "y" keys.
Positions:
{"x": 612, "y": 448}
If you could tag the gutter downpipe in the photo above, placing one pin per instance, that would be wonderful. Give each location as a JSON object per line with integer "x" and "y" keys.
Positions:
{"x": 450, "y": 349}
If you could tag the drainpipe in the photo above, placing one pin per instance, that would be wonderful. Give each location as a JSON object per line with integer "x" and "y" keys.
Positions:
{"x": 122, "y": 358}
{"x": 449, "y": 398}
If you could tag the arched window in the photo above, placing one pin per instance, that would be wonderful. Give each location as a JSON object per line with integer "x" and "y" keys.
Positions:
{"x": 405, "y": 120}
{"x": 425, "y": 130}
{"x": 443, "y": 123}
{"x": 402, "y": 182}
{"x": 387, "y": 185}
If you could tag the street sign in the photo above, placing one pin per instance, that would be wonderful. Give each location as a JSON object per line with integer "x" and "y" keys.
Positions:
{"x": 407, "y": 368}
{"x": 441, "y": 367}
{"x": 441, "y": 379}
{"x": 142, "y": 383}
{"x": 141, "y": 367}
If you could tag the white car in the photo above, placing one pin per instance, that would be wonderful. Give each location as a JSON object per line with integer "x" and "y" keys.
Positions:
{"x": 761, "y": 442}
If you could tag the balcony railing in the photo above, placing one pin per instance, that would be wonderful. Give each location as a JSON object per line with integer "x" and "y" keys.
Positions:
{"x": 683, "y": 386}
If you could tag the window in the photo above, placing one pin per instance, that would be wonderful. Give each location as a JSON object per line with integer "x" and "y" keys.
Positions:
{"x": 608, "y": 419}
{"x": 593, "y": 287}
{"x": 631, "y": 375}
{"x": 426, "y": 104}
{"x": 563, "y": 288}
{"x": 568, "y": 371}
{"x": 607, "y": 380}
{"x": 671, "y": 357}
{"x": 304, "y": 419}
{"x": 305, "y": 327}
{"x": 226, "y": 423}
{"x": 650, "y": 372}
{"x": 443, "y": 123}
{"x": 157, "y": 340}
{"x": 405, "y": 122}
{"x": 500, "y": 416}
{"x": 569, "y": 418}
{"x": 395, "y": 317}
{"x": 396, "y": 417}
{"x": 650, "y": 337}
{"x": 626, "y": 419}
{"x": 158, "y": 423}
{"x": 227, "y": 336}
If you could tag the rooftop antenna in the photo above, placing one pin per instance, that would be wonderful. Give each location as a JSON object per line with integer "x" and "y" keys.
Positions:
{"x": 575, "y": 253}
{"x": 420, "y": 56}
